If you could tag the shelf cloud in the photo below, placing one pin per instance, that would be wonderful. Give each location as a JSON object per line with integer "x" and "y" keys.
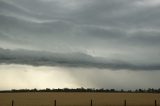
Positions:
{"x": 80, "y": 60}
{"x": 99, "y": 35}
{"x": 118, "y": 34}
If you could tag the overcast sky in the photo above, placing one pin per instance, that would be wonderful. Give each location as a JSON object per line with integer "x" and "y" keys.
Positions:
{"x": 86, "y": 43}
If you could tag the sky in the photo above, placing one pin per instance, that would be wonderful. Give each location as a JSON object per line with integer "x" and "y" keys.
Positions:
{"x": 79, "y": 43}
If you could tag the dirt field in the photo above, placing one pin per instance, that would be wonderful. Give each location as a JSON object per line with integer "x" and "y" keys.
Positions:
{"x": 79, "y": 99}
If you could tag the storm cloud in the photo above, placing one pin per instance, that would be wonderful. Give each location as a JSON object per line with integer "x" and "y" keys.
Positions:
{"x": 36, "y": 58}
{"x": 123, "y": 30}
{"x": 89, "y": 34}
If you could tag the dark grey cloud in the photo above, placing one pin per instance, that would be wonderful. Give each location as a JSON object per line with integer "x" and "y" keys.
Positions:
{"x": 123, "y": 30}
{"x": 10, "y": 7}
{"x": 101, "y": 32}
{"x": 88, "y": 38}
{"x": 37, "y": 58}
{"x": 123, "y": 14}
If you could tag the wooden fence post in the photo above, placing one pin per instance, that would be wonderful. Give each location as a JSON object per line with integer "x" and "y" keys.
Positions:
{"x": 91, "y": 102}
{"x": 125, "y": 103}
{"x": 155, "y": 102}
{"x": 55, "y": 103}
{"x": 12, "y": 102}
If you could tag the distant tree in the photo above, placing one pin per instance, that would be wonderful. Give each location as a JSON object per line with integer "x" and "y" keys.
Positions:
{"x": 122, "y": 90}
{"x": 112, "y": 90}
{"x": 48, "y": 89}
{"x": 101, "y": 90}
{"x": 34, "y": 90}
{"x": 149, "y": 90}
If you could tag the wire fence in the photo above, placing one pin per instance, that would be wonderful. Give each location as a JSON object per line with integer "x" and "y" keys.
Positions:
{"x": 90, "y": 103}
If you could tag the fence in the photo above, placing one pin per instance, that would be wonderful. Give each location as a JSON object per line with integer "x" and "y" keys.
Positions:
{"x": 91, "y": 104}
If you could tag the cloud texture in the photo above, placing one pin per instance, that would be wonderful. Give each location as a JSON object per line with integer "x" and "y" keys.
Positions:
{"x": 125, "y": 33}
{"x": 82, "y": 41}
{"x": 36, "y": 58}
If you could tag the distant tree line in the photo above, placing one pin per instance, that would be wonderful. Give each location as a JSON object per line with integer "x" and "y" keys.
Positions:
{"x": 149, "y": 90}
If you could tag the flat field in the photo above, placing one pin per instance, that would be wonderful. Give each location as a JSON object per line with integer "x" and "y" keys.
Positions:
{"x": 79, "y": 99}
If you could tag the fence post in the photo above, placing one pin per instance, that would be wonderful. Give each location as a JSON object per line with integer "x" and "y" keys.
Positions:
{"x": 12, "y": 102}
{"x": 125, "y": 103}
{"x": 155, "y": 102}
{"x": 55, "y": 103}
{"x": 91, "y": 102}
